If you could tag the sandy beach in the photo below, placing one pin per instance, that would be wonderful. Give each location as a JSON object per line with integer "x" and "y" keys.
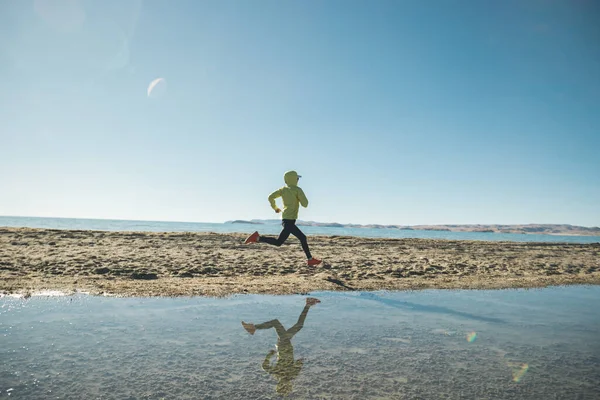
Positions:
{"x": 209, "y": 264}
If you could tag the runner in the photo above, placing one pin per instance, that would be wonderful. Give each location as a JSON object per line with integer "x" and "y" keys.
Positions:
{"x": 293, "y": 196}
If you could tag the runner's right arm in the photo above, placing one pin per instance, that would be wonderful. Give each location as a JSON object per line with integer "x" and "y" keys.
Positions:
{"x": 266, "y": 365}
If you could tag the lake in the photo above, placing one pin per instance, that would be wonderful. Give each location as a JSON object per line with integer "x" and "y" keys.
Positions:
{"x": 273, "y": 229}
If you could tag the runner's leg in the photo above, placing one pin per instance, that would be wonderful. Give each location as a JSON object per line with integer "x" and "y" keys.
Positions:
{"x": 294, "y": 329}
{"x": 294, "y": 230}
{"x": 285, "y": 233}
{"x": 272, "y": 324}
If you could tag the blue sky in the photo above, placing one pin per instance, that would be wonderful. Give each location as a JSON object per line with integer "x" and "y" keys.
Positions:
{"x": 394, "y": 112}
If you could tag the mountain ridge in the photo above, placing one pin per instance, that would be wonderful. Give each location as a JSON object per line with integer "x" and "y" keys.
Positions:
{"x": 544, "y": 229}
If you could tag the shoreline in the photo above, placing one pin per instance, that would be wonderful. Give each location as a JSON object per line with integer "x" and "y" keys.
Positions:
{"x": 549, "y": 230}
{"x": 210, "y": 264}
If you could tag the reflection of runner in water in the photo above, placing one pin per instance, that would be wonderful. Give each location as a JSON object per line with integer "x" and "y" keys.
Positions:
{"x": 286, "y": 369}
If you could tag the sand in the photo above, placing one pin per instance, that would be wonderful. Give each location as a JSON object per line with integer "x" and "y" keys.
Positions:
{"x": 210, "y": 264}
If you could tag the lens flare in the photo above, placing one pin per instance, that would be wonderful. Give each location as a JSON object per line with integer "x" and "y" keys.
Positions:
{"x": 62, "y": 15}
{"x": 471, "y": 337}
{"x": 519, "y": 373}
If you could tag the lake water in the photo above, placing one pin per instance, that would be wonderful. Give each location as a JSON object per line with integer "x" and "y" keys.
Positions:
{"x": 515, "y": 344}
{"x": 272, "y": 229}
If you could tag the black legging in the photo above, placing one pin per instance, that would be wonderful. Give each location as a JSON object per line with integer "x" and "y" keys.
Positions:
{"x": 283, "y": 334}
{"x": 289, "y": 227}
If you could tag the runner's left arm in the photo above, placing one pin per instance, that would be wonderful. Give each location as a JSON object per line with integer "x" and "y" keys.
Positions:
{"x": 272, "y": 198}
{"x": 302, "y": 198}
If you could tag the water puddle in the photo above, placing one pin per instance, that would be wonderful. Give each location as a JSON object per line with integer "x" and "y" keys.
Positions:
{"x": 516, "y": 344}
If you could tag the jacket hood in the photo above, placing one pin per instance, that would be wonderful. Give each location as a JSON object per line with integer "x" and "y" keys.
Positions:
{"x": 291, "y": 178}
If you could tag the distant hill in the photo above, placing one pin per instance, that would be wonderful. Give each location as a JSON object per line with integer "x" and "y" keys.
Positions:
{"x": 241, "y": 221}
{"x": 540, "y": 229}
{"x": 543, "y": 229}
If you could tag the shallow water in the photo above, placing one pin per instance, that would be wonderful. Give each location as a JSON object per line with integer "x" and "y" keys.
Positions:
{"x": 273, "y": 229}
{"x": 510, "y": 344}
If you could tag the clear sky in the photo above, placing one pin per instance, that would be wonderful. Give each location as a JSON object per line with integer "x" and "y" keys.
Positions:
{"x": 394, "y": 112}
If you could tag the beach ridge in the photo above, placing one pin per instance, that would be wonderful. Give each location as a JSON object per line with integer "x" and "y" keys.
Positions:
{"x": 212, "y": 264}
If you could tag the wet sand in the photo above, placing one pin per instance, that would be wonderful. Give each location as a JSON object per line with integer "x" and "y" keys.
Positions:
{"x": 191, "y": 264}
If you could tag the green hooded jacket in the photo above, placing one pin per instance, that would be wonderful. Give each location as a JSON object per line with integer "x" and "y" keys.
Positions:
{"x": 291, "y": 195}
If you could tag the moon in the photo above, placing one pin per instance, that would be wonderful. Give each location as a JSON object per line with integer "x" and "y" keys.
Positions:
{"x": 157, "y": 87}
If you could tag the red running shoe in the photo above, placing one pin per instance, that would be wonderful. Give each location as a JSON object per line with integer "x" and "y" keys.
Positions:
{"x": 252, "y": 238}
{"x": 311, "y": 301}
{"x": 250, "y": 328}
{"x": 313, "y": 261}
